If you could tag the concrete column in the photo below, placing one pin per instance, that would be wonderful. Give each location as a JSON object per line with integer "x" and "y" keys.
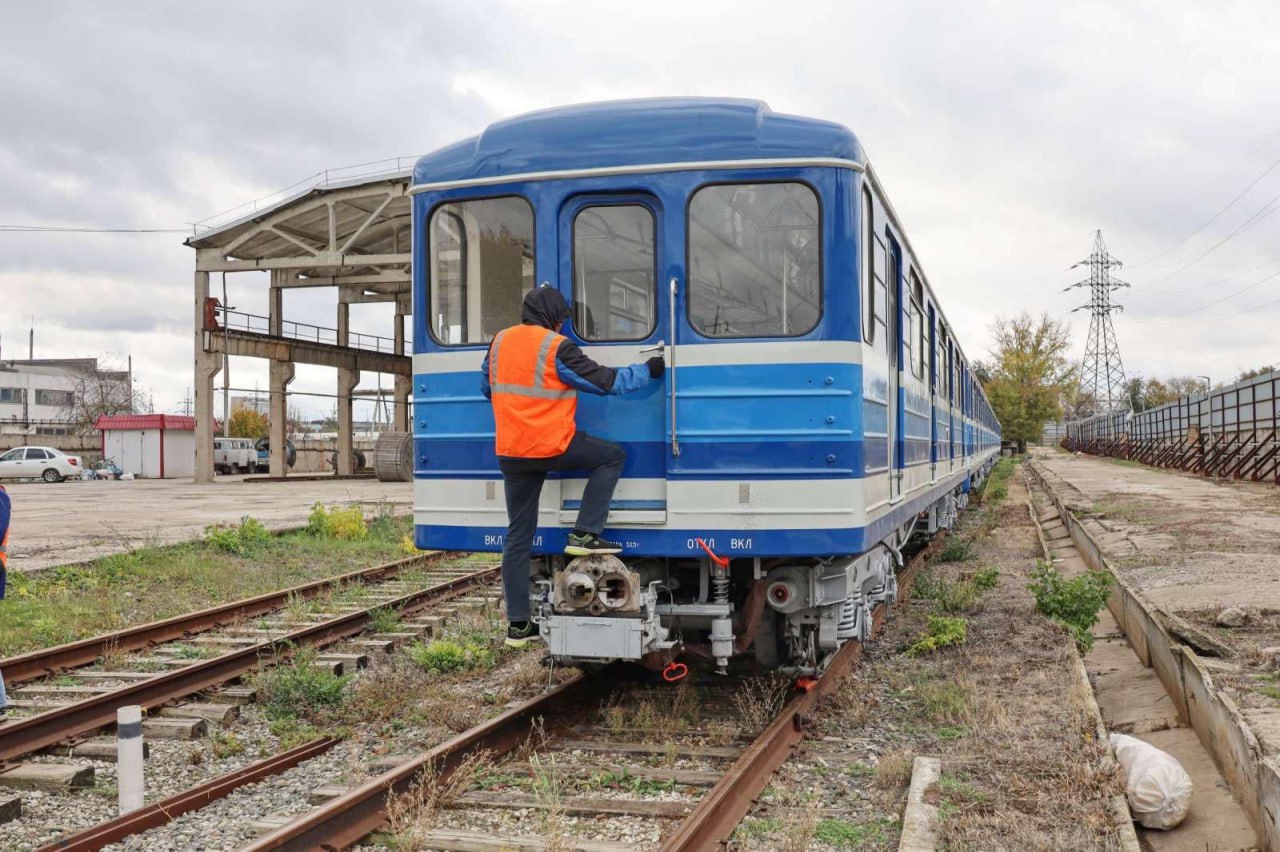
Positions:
{"x": 403, "y": 384}
{"x": 206, "y": 367}
{"x": 347, "y": 381}
{"x": 281, "y": 376}
{"x": 275, "y": 302}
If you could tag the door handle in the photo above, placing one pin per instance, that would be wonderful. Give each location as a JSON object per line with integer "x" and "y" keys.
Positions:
{"x": 671, "y": 367}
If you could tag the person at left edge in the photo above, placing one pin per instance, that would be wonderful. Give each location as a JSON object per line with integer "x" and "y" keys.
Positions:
{"x": 6, "y": 512}
{"x": 532, "y": 375}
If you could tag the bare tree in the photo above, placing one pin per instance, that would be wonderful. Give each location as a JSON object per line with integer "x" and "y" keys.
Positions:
{"x": 106, "y": 390}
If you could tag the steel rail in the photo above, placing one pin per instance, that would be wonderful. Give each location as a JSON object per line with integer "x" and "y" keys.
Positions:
{"x": 166, "y": 810}
{"x": 23, "y": 736}
{"x": 341, "y": 822}
{"x": 37, "y": 664}
{"x": 719, "y": 812}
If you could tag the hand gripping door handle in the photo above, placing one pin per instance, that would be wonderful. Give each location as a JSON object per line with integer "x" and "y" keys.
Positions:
{"x": 671, "y": 366}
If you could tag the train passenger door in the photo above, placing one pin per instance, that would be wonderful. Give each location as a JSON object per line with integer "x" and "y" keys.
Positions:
{"x": 894, "y": 309}
{"x": 610, "y": 251}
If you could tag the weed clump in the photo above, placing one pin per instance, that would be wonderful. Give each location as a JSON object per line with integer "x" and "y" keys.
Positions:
{"x": 444, "y": 655}
{"x": 300, "y": 689}
{"x": 848, "y": 834}
{"x": 942, "y": 632}
{"x": 336, "y": 522}
{"x": 986, "y": 578}
{"x": 956, "y": 549}
{"x": 243, "y": 540}
{"x": 1074, "y": 603}
{"x": 950, "y": 596}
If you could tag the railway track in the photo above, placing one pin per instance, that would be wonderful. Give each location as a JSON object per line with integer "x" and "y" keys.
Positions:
{"x": 675, "y": 766}
{"x": 62, "y": 697}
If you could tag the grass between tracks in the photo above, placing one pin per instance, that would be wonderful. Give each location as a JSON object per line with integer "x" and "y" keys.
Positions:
{"x": 996, "y": 701}
{"x": 64, "y": 604}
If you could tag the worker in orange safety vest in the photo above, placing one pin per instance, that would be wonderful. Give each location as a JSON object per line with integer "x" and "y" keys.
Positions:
{"x": 6, "y": 511}
{"x": 532, "y": 375}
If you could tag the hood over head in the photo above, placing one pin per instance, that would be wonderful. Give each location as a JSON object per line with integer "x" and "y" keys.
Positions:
{"x": 544, "y": 306}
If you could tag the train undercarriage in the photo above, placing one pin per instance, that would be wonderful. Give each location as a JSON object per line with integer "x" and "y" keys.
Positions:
{"x": 791, "y": 613}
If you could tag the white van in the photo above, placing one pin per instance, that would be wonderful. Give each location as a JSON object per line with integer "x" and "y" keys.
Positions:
{"x": 234, "y": 455}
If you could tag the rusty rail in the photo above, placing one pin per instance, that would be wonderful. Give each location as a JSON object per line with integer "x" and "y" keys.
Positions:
{"x": 342, "y": 821}
{"x": 23, "y": 736}
{"x": 166, "y": 810}
{"x": 83, "y": 652}
{"x": 720, "y": 811}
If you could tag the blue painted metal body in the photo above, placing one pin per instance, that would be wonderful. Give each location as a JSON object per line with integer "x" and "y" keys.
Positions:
{"x": 820, "y": 421}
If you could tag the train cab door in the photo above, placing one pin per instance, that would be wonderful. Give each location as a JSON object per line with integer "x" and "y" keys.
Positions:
{"x": 894, "y": 312}
{"x": 609, "y": 254}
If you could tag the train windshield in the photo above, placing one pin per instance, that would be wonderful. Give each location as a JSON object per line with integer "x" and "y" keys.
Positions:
{"x": 754, "y": 260}
{"x": 481, "y": 266}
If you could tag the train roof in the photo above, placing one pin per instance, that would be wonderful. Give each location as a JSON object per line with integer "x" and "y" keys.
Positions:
{"x": 636, "y": 132}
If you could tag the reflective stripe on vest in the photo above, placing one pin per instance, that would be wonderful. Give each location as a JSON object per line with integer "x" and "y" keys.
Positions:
{"x": 533, "y": 408}
{"x": 4, "y": 551}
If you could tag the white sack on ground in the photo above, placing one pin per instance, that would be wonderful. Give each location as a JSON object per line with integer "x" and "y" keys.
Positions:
{"x": 1159, "y": 788}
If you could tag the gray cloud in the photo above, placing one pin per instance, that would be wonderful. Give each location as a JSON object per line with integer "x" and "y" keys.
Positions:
{"x": 1006, "y": 133}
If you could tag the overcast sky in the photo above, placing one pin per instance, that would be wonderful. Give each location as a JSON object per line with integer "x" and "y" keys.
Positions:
{"x": 1005, "y": 133}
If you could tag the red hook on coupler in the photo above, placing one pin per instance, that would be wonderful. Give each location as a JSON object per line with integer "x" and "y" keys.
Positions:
{"x": 675, "y": 672}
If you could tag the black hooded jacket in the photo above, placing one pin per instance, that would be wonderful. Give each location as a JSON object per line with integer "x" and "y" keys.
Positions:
{"x": 546, "y": 307}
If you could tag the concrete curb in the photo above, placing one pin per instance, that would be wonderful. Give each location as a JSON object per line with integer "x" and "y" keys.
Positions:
{"x": 1213, "y": 716}
{"x": 1119, "y": 805}
{"x": 920, "y": 819}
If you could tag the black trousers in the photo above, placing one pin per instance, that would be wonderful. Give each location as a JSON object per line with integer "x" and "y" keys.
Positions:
{"x": 522, "y": 481}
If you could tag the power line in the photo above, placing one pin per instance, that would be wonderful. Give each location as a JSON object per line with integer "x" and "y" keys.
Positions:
{"x": 1202, "y": 307}
{"x": 1265, "y": 211}
{"x": 1212, "y": 218}
{"x": 1195, "y": 310}
{"x": 1198, "y": 285}
{"x": 52, "y": 229}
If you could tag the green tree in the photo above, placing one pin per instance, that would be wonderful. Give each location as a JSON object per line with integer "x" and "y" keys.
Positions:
{"x": 247, "y": 423}
{"x": 1029, "y": 374}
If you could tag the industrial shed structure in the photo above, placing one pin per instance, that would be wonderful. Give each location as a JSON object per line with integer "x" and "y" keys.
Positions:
{"x": 352, "y": 233}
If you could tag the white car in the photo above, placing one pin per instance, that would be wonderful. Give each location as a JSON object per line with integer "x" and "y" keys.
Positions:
{"x": 39, "y": 463}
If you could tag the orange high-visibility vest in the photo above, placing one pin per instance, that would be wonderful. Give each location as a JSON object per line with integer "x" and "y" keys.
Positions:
{"x": 4, "y": 552}
{"x": 533, "y": 409}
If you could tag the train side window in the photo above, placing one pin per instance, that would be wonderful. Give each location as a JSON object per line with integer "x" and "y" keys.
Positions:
{"x": 480, "y": 265}
{"x": 868, "y": 267}
{"x": 614, "y": 269}
{"x": 916, "y": 333}
{"x": 755, "y": 260}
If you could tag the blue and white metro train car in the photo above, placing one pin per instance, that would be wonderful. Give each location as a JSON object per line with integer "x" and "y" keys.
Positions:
{"x": 816, "y": 412}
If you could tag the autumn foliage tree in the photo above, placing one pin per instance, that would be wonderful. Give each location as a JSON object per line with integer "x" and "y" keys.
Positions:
{"x": 1029, "y": 372}
{"x": 247, "y": 423}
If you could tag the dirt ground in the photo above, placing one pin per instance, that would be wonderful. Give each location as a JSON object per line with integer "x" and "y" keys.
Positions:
{"x": 1190, "y": 543}
{"x": 1021, "y": 767}
{"x": 72, "y": 521}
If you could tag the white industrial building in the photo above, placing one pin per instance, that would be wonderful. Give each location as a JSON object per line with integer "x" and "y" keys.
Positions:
{"x": 150, "y": 446}
{"x": 45, "y": 396}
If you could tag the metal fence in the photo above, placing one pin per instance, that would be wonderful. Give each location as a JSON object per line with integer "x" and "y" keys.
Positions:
{"x": 1233, "y": 432}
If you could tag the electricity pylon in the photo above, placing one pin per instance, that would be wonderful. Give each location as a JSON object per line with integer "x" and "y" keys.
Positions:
{"x": 1102, "y": 385}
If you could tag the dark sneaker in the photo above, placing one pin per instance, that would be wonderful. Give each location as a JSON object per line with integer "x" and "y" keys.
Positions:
{"x": 521, "y": 635}
{"x": 590, "y": 544}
